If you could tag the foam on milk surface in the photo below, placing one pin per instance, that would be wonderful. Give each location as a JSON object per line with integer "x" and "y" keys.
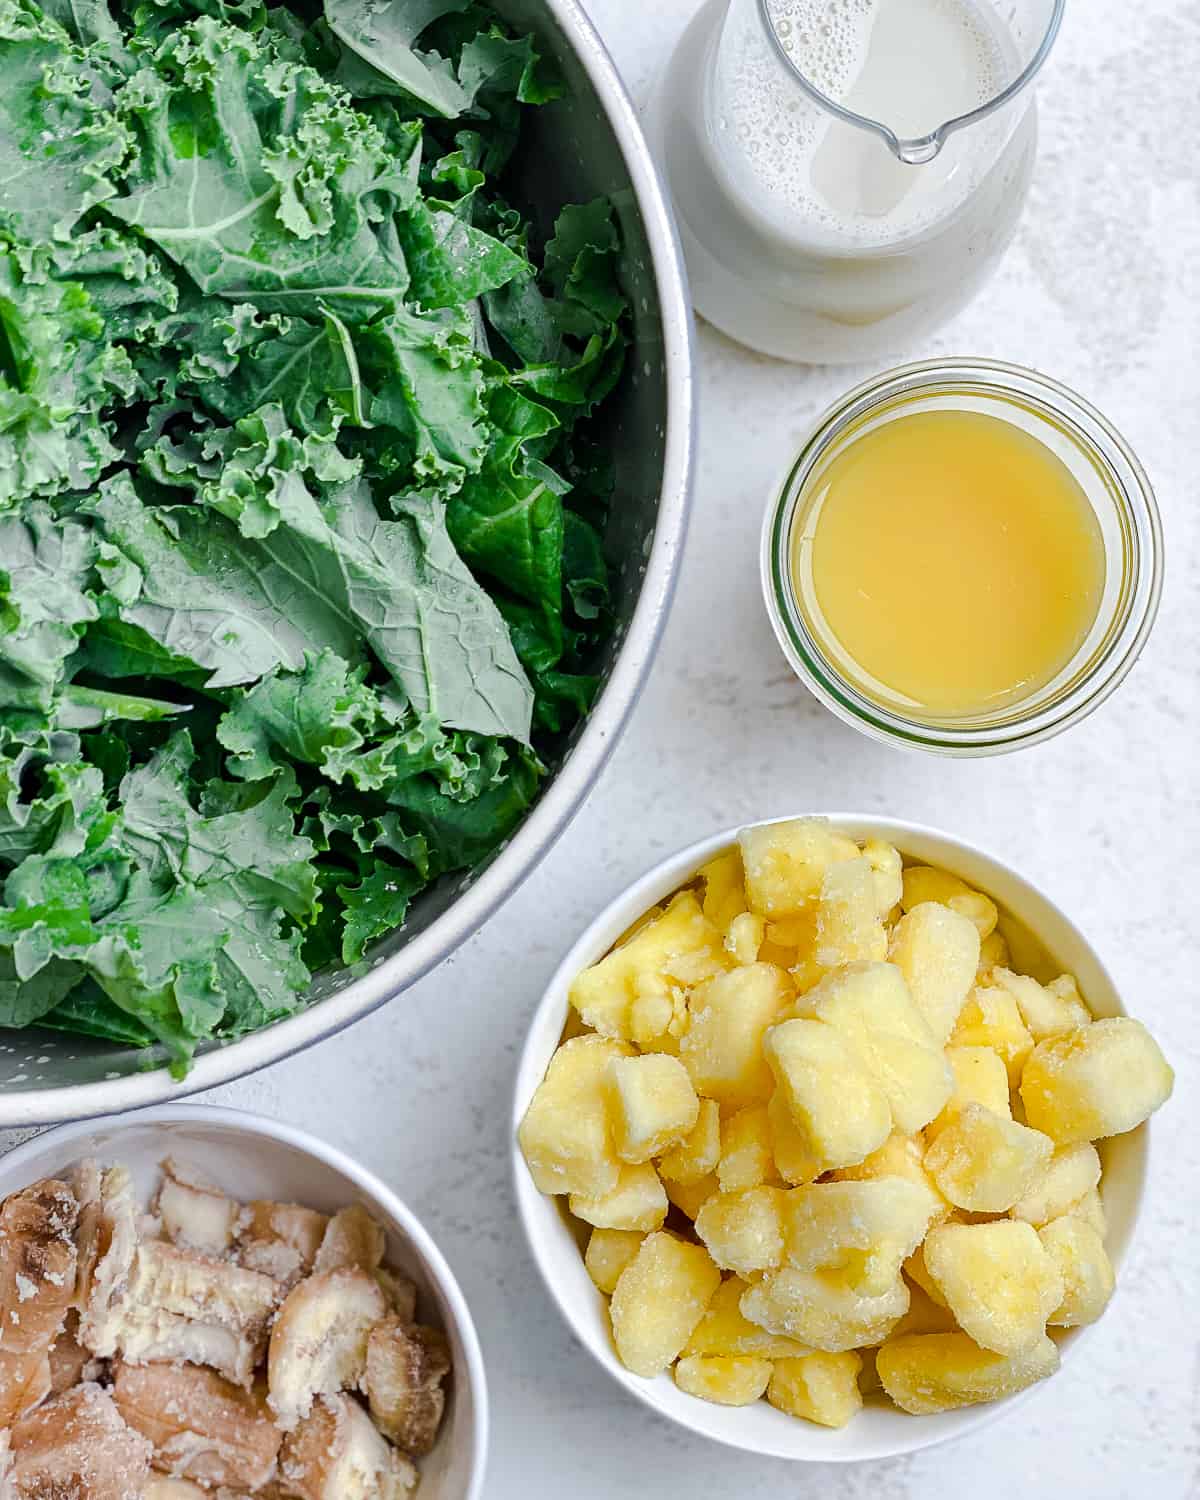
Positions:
{"x": 909, "y": 63}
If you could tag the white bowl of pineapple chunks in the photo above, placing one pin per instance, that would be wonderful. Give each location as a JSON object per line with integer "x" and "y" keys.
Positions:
{"x": 203, "y": 1304}
{"x": 829, "y": 1137}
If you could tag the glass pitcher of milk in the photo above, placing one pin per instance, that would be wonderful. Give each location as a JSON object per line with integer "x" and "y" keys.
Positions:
{"x": 847, "y": 173}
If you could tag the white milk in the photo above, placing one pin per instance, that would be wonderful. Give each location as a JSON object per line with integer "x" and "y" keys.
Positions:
{"x": 805, "y": 236}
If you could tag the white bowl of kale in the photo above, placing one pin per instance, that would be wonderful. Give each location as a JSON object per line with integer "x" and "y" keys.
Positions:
{"x": 343, "y": 475}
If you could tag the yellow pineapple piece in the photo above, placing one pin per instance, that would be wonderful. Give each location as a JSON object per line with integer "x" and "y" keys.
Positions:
{"x": 566, "y": 1136}
{"x": 1070, "y": 1173}
{"x": 747, "y": 1156}
{"x": 990, "y": 1018}
{"x": 1082, "y": 1263}
{"x": 744, "y": 936}
{"x": 691, "y": 1197}
{"x": 608, "y": 1252}
{"x": 743, "y": 1231}
{"x": 1098, "y": 1080}
{"x": 924, "y": 1315}
{"x": 724, "y": 888}
{"x": 900, "y": 1156}
{"x": 925, "y": 1373}
{"x": 841, "y": 1111}
{"x": 887, "y": 873}
{"x": 870, "y": 1005}
{"x": 983, "y": 1162}
{"x": 821, "y": 1309}
{"x": 653, "y": 1104}
{"x": 730, "y": 1014}
{"x": 638, "y": 1201}
{"x": 727, "y": 1380}
{"x": 697, "y": 1155}
{"x": 922, "y": 883}
{"x": 938, "y": 952}
{"x": 993, "y": 954}
{"x": 795, "y": 1160}
{"x": 849, "y": 928}
{"x": 725, "y": 1330}
{"x": 821, "y": 1388}
{"x": 1045, "y": 1011}
{"x": 785, "y": 864}
{"x": 658, "y": 1014}
{"x": 658, "y": 1301}
{"x": 681, "y": 946}
{"x": 1090, "y": 1209}
{"x": 862, "y": 1229}
{"x": 980, "y": 1077}
{"x": 997, "y": 1280}
{"x": 977, "y": 908}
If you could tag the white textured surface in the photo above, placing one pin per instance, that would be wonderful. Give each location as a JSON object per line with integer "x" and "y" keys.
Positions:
{"x": 1103, "y": 291}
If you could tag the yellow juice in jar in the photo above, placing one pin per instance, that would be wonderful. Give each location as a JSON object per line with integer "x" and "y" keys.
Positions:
{"x": 948, "y": 561}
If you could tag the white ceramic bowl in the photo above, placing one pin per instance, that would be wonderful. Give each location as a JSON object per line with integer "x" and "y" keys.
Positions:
{"x": 252, "y": 1157}
{"x": 880, "y": 1431}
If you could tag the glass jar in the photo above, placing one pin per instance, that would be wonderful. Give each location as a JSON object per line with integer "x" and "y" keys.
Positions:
{"x": 1116, "y": 487}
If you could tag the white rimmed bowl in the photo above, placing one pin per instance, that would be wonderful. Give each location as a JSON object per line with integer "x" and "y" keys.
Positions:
{"x": 252, "y": 1157}
{"x": 880, "y": 1431}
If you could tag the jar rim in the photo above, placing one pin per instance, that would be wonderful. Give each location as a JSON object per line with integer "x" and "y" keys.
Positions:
{"x": 1016, "y": 727}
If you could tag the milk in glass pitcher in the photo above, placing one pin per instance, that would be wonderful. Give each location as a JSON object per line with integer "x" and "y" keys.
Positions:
{"x": 846, "y": 173}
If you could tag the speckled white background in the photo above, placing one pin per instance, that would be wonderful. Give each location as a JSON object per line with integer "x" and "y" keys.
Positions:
{"x": 1102, "y": 290}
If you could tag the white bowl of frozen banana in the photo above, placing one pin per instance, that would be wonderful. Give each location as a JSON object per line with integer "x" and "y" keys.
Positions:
{"x": 174, "y": 1270}
{"x": 1041, "y": 939}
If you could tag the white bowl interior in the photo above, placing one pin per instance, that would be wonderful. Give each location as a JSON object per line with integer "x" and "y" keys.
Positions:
{"x": 881, "y": 1430}
{"x": 258, "y": 1159}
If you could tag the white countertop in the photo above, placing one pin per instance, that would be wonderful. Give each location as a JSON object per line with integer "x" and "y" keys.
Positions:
{"x": 1102, "y": 290}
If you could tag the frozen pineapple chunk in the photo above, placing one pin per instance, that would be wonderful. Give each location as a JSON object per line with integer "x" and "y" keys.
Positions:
{"x": 983, "y": 1162}
{"x": 744, "y": 937}
{"x": 1067, "y": 1176}
{"x": 565, "y": 1135}
{"x": 1090, "y": 1209}
{"x": 980, "y": 1077}
{"x": 609, "y": 1251}
{"x": 785, "y": 864}
{"x": 938, "y": 952}
{"x": 794, "y": 1158}
{"x": 689, "y": 1198}
{"x": 724, "y": 888}
{"x": 842, "y": 1112}
{"x": 990, "y": 1018}
{"x": 886, "y": 872}
{"x": 821, "y": 1388}
{"x": 821, "y": 1309}
{"x": 659, "y": 1299}
{"x": 658, "y": 1015}
{"x": 725, "y": 1330}
{"x": 993, "y": 954}
{"x": 849, "y": 927}
{"x": 1096, "y": 1081}
{"x": 722, "y": 1050}
{"x": 744, "y": 1231}
{"x": 637, "y": 1202}
{"x": 654, "y": 1105}
{"x": 681, "y": 945}
{"x": 747, "y": 1158}
{"x": 698, "y": 1154}
{"x": 862, "y": 1229}
{"x": 727, "y": 1380}
{"x": 997, "y": 1280}
{"x": 977, "y": 908}
{"x": 1046, "y": 1011}
{"x": 900, "y": 1156}
{"x": 922, "y": 883}
{"x": 925, "y": 1373}
{"x": 869, "y": 1003}
{"x": 1082, "y": 1262}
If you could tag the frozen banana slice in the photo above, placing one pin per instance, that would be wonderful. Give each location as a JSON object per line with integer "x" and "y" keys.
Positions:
{"x": 161, "y": 1488}
{"x": 353, "y": 1238}
{"x": 37, "y": 1265}
{"x": 400, "y": 1292}
{"x": 405, "y": 1370}
{"x": 280, "y": 1239}
{"x": 24, "y": 1382}
{"x": 78, "y": 1446}
{"x": 336, "y": 1454}
{"x": 108, "y": 1241}
{"x": 319, "y": 1342}
{"x": 202, "y": 1426}
{"x": 70, "y": 1363}
{"x": 194, "y": 1214}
